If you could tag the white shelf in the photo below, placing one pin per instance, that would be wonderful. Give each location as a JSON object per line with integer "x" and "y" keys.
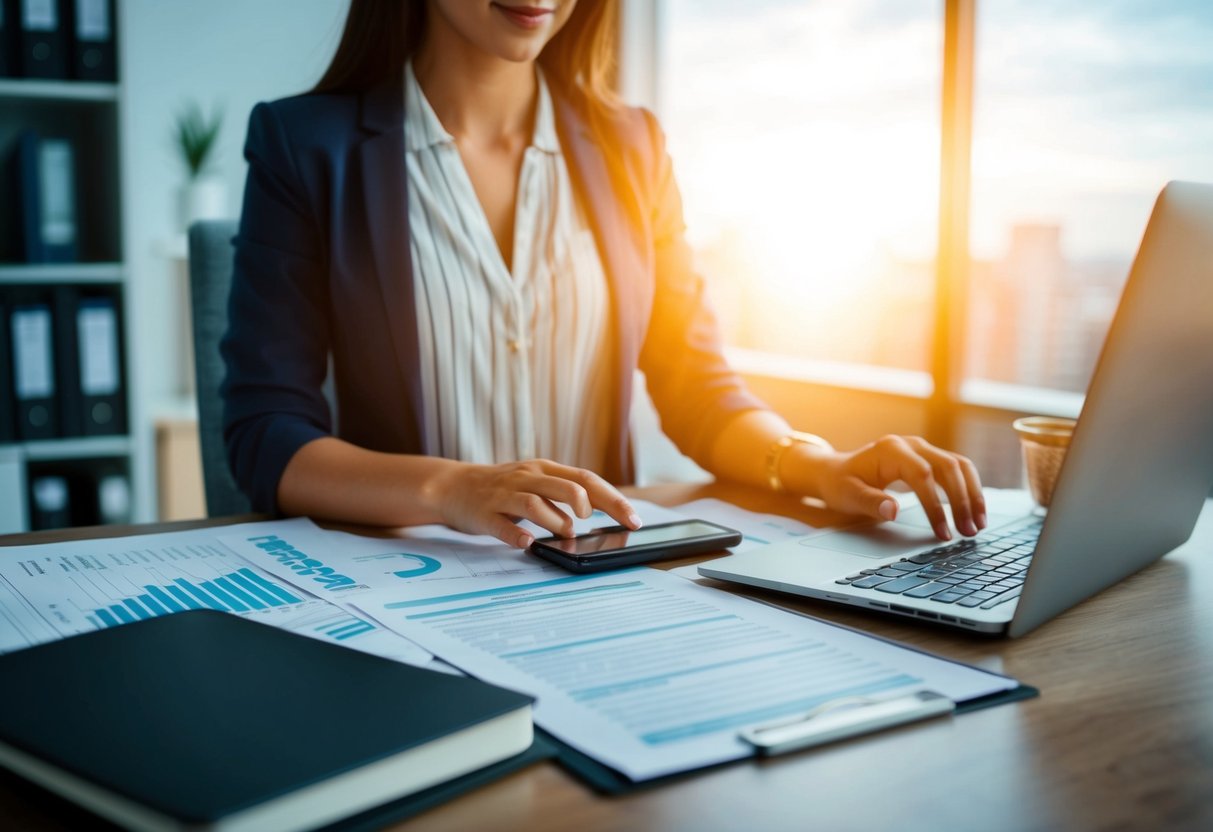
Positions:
{"x": 58, "y": 90}
{"x": 176, "y": 247}
{"x": 77, "y": 447}
{"x": 181, "y": 408}
{"x": 62, "y": 273}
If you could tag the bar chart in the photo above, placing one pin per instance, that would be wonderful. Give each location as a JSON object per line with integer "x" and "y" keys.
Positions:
{"x": 238, "y": 591}
{"x": 325, "y": 621}
{"x": 346, "y": 627}
{"x": 54, "y": 591}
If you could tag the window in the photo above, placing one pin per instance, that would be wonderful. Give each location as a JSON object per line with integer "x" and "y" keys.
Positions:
{"x": 1082, "y": 111}
{"x": 805, "y": 138}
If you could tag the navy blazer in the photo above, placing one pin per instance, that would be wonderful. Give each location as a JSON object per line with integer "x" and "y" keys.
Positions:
{"x": 322, "y": 274}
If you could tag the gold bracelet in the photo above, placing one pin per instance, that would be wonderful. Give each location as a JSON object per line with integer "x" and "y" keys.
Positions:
{"x": 780, "y": 445}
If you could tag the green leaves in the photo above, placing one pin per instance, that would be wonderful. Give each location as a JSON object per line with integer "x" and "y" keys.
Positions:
{"x": 196, "y": 135}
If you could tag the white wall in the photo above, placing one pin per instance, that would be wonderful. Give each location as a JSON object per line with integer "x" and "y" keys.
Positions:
{"x": 233, "y": 53}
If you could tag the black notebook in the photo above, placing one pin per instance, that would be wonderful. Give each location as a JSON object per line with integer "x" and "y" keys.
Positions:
{"x": 207, "y": 720}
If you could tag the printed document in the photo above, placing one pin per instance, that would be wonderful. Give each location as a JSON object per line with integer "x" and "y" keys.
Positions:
{"x": 54, "y": 590}
{"x": 649, "y": 673}
{"x": 338, "y": 566}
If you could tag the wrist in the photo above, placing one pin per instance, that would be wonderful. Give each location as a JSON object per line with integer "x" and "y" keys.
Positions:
{"x": 794, "y": 461}
{"x": 439, "y": 483}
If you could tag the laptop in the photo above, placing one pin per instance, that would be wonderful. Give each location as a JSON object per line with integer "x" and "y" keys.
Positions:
{"x": 1134, "y": 480}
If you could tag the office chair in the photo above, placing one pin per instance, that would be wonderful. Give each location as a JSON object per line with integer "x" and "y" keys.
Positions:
{"x": 210, "y": 246}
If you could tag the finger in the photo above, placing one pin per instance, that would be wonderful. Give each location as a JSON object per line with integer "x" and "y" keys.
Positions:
{"x": 916, "y": 472}
{"x": 539, "y": 510}
{"x": 977, "y": 497}
{"x": 860, "y": 498}
{"x": 950, "y": 475}
{"x": 602, "y": 494}
{"x": 502, "y": 528}
{"x": 558, "y": 489}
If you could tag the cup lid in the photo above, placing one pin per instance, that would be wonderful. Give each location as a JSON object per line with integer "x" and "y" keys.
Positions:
{"x": 1047, "y": 430}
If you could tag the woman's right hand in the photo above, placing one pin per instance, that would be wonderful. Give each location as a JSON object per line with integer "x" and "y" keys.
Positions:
{"x": 490, "y": 499}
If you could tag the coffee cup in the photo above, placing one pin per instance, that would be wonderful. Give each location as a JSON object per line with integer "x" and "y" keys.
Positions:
{"x": 1044, "y": 440}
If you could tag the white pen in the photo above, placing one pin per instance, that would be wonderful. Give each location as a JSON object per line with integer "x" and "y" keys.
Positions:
{"x": 842, "y": 718}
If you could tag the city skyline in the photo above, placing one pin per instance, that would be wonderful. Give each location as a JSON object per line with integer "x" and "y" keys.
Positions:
{"x": 1036, "y": 317}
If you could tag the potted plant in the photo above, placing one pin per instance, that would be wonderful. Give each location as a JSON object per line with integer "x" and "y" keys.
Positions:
{"x": 203, "y": 197}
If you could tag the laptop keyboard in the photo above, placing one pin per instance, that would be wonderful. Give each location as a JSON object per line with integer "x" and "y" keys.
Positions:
{"x": 983, "y": 571}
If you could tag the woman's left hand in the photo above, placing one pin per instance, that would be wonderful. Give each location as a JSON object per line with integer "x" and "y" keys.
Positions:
{"x": 854, "y": 481}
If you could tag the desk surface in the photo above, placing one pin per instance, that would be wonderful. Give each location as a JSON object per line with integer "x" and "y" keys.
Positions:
{"x": 1121, "y": 736}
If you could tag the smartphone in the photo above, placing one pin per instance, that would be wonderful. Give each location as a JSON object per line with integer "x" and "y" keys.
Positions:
{"x": 615, "y": 546}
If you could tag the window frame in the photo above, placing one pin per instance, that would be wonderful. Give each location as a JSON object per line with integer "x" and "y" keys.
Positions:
{"x": 950, "y": 398}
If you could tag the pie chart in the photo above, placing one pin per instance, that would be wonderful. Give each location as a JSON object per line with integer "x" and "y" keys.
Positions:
{"x": 414, "y": 566}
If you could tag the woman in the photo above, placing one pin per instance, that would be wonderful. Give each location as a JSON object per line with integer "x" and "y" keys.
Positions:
{"x": 485, "y": 246}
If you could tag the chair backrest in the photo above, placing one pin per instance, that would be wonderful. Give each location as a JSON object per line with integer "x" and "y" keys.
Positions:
{"x": 210, "y": 245}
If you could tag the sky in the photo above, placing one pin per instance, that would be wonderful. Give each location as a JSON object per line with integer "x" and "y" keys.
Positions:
{"x": 812, "y": 125}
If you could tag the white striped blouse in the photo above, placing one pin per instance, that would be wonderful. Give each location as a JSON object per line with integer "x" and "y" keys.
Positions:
{"x": 514, "y": 361}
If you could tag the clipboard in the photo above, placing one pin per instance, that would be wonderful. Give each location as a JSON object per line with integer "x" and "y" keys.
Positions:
{"x": 608, "y": 781}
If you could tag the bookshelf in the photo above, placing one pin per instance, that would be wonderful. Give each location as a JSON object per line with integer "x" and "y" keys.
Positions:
{"x": 15, "y": 88}
{"x": 51, "y": 273}
{"x": 88, "y": 462}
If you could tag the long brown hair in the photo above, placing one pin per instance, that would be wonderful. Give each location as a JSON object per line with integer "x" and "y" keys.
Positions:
{"x": 380, "y": 34}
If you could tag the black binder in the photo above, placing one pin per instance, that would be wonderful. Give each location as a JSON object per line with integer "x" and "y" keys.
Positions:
{"x": 46, "y": 186}
{"x": 94, "y": 56}
{"x": 100, "y": 490}
{"x": 35, "y": 390}
{"x": 50, "y": 501}
{"x": 9, "y": 68}
{"x": 67, "y": 364}
{"x": 112, "y": 493}
{"x": 78, "y": 492}
{"x": 96, "y": 397}
{"x": 42, "y": 38}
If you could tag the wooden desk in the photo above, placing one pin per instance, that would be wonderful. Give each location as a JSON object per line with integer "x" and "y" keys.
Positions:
{"x": 1120, "y": 738}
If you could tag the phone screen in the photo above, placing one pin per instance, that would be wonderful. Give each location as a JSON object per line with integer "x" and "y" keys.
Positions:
{"x": 599, "y": 543}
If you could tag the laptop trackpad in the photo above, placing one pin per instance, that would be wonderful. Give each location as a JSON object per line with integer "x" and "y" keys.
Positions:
{"x": 909, "y": 532}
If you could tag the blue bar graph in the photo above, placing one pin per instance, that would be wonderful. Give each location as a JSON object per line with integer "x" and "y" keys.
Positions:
{"x": 201, "y": 596}
{"x": 278, "y": 592}
{"x": 365, "y": 628}
{"x": 152, "y": 604}
{"x": 345, "y": 628}
{"x": 138, "y": 609}
{"x": 238, "y": 591}
{"x": 351, "y": 630}
{"x": 255, "y": 589}
{"x": 223, "y": 598}
{"x": 163, "y": 597}
{"x": 190, "y": 603}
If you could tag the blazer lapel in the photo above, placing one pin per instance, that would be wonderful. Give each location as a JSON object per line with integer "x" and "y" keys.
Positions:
{"x": 631, "y": 294}
{"x": 380, "y": 160}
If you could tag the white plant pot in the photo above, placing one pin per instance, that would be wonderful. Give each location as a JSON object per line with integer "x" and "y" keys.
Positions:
{"x": 202, "y": 199}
